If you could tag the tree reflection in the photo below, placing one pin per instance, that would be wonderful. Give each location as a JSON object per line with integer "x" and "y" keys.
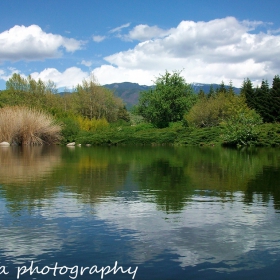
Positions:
{"x": 168, "y": 176}
{"x": 168, "y": 184}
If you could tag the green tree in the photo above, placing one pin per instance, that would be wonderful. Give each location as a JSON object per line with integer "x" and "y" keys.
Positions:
{"x": 230, "y": 89}
{"x": 275, "y": 98}
{"x": 217, "y": 109}
{"x": 201, "y": 94}
{"x": 96, "y": 102}
{"x": 263, "y": 102}
{"x": 211, "y": 92}
{"x": 221, "y": 88}
{"x": 241, "y": 128}
{"x": 248, "y": 92}
{"x": 31, "y": 93}
{"x": 170, "y": 99}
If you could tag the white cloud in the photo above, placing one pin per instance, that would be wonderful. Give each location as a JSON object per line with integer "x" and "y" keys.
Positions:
{"x": 5, "y": 76}
{"x": 98, "y": 38}
{"x": 144, "y": 32}
{"x": 87, "y": 63}
{"x": 119, "y": 28}
{"x": 179, "y": 230}
{"x": 32, "y": 43}
{"x": 108, "y": 74}
{"x": 276, "y": 31}
{"x": 71, "y": 77}
{"x": 222, "y": 49}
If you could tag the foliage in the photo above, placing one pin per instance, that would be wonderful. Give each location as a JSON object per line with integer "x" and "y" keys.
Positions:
{"x": 141, "y": 134}
{"x": 171, "y": 98}
{"x": 268, "y": 135}
{"x": 94, "y": 101}
{"x": 208, "y": 136}
{"x": 275, "y": 98}
{"x": 31, "y": 93}
{"x": 241, "y": 129}
{"x": 24, "y": 126}
{"x": 211, "y": 111}
{"x": 70, "y": 129}
{"x": 87, "y": 124}
{"x": 265, "y": 100}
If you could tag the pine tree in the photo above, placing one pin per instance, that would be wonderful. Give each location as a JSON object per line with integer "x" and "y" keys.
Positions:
{"x": 275, "y": 98}
{"x": 201, "y": 94}
{"x": 222, "y": 88}
{"x": 264, "y": 102}
{"x": 248, "y": 92}
{"x": 230, "y": 90}
{"x": 211, "y": 92}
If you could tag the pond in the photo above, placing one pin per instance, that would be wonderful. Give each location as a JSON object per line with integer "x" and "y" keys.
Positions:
{"x": 139, "y": 213}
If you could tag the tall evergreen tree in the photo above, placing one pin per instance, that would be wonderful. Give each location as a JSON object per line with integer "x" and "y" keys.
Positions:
{"x": 221, "y": 88}
{"x": 275, "y": 98}
{"x": 230, "y": 89}
{"x": 201, "y": 94}
{"x": 248, "y": 92}
{"x": 211, "y": 92}
{"x": 263, "y": 102}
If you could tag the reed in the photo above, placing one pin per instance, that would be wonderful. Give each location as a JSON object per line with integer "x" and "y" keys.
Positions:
{"x": 26, "y": 126}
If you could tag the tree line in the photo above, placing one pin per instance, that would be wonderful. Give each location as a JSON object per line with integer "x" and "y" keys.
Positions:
{"x": 88, "y": 99}
{"x": 171, "y": 101}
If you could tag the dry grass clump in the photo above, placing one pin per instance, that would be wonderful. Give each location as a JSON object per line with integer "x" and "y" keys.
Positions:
{"x": 26, "y": 126}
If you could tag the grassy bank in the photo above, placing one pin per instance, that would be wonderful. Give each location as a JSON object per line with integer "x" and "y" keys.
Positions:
{"x": 267, "y": 135}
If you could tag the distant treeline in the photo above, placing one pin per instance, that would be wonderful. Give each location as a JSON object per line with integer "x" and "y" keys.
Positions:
{"x": 170, "y": 103}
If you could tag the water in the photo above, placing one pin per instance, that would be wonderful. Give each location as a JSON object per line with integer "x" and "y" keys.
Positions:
{"x": 139, "y": 213}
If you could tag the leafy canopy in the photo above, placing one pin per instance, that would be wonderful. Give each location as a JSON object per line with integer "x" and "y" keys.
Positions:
{"x": 170, "y": 99}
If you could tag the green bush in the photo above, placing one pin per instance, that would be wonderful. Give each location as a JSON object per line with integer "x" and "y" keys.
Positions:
{"x": 241, "y": 129}
{"x": 70, "y": 129}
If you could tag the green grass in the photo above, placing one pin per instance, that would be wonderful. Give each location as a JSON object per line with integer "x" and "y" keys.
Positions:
{"x": 144, "y": 134}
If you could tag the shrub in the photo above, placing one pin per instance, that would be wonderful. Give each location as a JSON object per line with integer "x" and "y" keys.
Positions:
{"x": 241, "y": 129}
{"x": 212, "y": 111}
{"x": 70, "y": 129}
{"x": 25, "y": 126}
{"x": 87, "y": 124}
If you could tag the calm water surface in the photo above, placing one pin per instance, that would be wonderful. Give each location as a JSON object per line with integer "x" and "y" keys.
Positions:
{"x": 160, "y": 212}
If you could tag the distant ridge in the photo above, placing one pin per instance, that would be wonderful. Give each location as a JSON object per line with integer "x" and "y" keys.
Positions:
{"x": 129, "y": 92}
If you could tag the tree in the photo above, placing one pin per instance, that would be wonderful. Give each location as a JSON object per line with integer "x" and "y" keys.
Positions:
{"x": 263, "y": 102}
{"x": 275, "y": 98}
{"x": 230, "y": 89}
{"x": 96, "y": 102}
{"x": 201, "y": 94}
{"x": 221, "y": 88}
{"x": 213, "y": 111}
{"x": 211, "y": 92}
{"x": 31, "y": 93}
{"x": 248, "y": 92}
{"x": 170, "y": 99}
{"x": 241, "y": 128}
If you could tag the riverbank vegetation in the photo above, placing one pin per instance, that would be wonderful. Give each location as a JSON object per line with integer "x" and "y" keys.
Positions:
{"x": 169, "y": 114}
{"x": 26, "y": 126}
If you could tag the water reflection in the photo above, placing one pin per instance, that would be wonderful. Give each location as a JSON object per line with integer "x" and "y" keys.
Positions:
{"x": 202, "y": 232}
{"x": 23, "y": 164}
{"x": 157, "y": 207}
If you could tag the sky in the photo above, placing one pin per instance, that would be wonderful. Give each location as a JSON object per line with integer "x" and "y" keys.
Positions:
{"x": 67, "y": 41}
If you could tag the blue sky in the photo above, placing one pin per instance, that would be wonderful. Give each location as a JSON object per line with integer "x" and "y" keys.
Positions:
{"x": 66, "y": 41}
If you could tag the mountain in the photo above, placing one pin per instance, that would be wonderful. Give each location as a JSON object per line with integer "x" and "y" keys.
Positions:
{"x": 129, "y": 92}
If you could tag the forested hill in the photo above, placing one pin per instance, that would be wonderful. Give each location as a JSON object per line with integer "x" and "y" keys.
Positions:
{"x": 129, "y": 92}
